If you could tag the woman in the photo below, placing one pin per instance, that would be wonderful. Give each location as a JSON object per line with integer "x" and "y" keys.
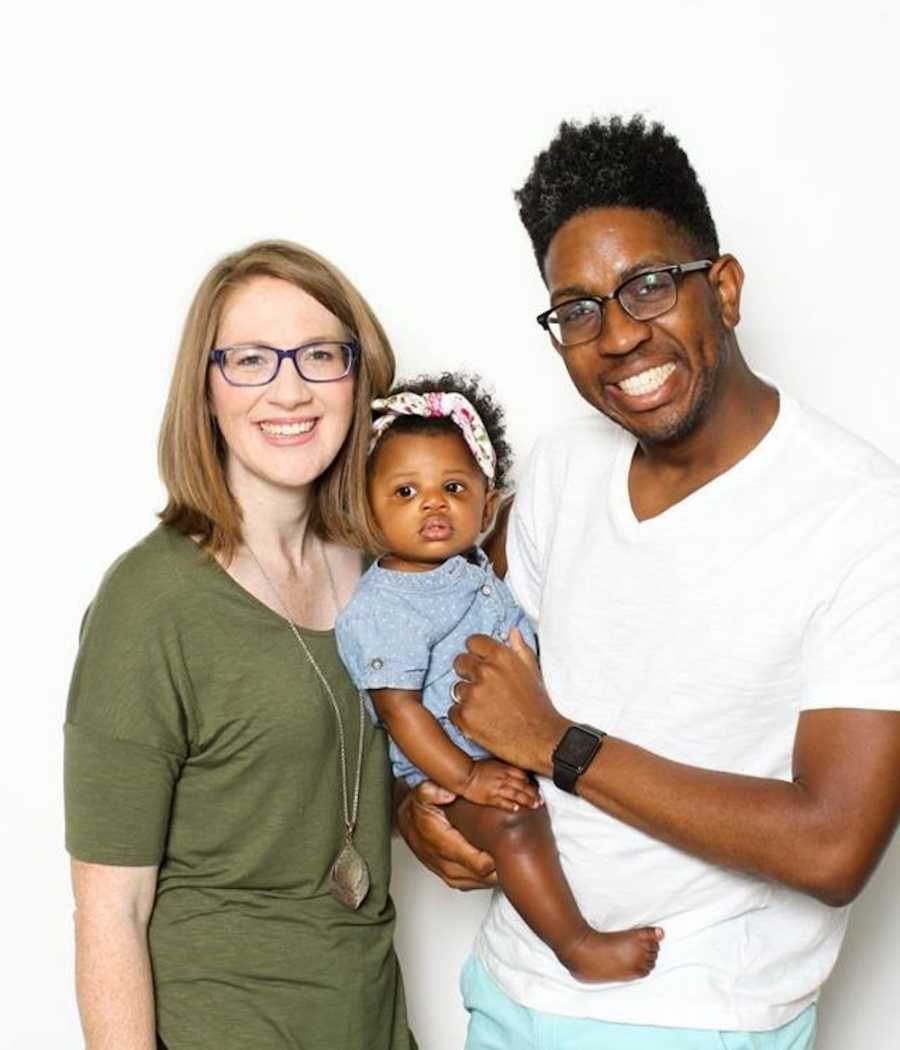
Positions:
{"x": 227, "y": 804}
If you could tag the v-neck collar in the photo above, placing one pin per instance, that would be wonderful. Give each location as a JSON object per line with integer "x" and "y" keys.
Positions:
{"x": 757, "y": 459}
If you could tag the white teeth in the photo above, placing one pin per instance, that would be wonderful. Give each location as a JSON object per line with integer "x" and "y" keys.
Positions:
{"x": 647, "y": 382}
{"x": 287, "y": 429}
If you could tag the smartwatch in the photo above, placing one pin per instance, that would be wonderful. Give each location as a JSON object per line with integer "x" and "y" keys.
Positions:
{"x": 574, "y": 753}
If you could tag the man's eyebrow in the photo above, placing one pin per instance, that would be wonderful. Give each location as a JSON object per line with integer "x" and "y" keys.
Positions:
{"x": 577, "y": 291}
{"x": 658, "y": 262}
{"x": 572, "y": 291}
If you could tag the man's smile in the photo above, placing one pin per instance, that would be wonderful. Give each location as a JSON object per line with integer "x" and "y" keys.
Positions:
{"x": 648, "y": 381}
{"x": 642, "y": 387}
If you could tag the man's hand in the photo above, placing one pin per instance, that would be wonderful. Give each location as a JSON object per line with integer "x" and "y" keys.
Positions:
{"x": 494, "y": 783}
{"x": 423, "y": 823}
{"x": 503, "y": 703}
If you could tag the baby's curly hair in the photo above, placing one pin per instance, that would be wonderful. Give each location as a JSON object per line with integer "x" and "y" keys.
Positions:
{"x": 609, "y": 164}
{"x": 484, "y": 404}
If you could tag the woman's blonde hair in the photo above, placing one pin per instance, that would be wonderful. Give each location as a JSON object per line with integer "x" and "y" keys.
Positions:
{"x": 191, "y": 449}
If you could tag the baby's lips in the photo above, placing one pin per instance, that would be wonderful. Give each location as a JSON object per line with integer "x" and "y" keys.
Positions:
{"x": 436, "y": 525}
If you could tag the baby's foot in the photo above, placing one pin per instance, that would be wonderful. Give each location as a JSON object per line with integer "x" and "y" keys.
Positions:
{"x": 622, "y": 956}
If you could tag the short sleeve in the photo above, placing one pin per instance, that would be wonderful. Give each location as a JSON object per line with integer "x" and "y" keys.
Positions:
{"x": 384, "y": 642}
{"x": 525, "y": 565}
{"x": 851, "y": 653}
{"x": 126, "y": 732}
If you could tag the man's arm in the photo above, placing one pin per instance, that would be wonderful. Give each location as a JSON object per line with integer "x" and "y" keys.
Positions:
{"x": 823, "y": 833}
{"x": 112, "y": 963}
{"x": 419, "y": 817}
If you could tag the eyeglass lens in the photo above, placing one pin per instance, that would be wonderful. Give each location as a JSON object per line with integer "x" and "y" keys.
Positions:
{"x": 257, "y": 365}
{"x": 643, "y": 297}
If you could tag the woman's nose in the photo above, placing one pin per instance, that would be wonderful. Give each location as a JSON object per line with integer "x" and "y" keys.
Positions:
{"x": 288, "y": 389}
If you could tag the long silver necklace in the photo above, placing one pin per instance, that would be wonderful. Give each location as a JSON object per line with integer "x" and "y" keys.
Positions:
{"x": 349, "y": 872}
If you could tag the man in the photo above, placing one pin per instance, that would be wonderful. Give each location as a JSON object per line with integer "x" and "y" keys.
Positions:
{"x": 714, "y": 573}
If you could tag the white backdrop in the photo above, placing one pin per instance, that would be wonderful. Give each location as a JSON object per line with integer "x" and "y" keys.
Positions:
{"x": 140, "y": 143}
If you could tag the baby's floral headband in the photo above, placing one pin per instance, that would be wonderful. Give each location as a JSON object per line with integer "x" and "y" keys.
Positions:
{"x": 435, "y": 404}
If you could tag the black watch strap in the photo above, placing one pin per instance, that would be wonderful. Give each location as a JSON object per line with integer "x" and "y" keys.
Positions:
{"x": 574, "y": 753}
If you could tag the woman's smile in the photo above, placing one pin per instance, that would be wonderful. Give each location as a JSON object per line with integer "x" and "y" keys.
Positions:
{"x": 288, "y": 431}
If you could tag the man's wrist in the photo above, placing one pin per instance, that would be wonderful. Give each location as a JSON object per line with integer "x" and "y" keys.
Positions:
{"x": 576, "y": 750}
{"x": 549, "y": 742}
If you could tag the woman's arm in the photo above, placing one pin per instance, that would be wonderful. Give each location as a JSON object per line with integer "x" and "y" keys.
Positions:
{"x": 420, "y": 737}
{"x": 112, "y": 964}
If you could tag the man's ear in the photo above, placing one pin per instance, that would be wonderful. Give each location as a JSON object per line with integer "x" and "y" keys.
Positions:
{"x": 491, "y": 503}
{"x": 727, "y": 280}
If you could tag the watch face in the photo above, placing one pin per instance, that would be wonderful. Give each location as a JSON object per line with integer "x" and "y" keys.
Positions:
{"x": 577, "y": 747}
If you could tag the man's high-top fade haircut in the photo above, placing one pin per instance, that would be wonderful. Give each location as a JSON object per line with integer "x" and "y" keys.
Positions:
{"x": 611, "y": 164}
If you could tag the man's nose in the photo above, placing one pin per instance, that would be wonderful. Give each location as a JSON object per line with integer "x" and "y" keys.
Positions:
{"x": 620, "y": 332}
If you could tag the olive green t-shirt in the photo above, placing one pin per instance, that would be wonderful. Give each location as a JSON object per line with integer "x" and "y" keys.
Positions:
{"x": 199, "y": 738}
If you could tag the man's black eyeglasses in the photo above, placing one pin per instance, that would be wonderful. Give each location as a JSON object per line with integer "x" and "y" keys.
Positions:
{"x": 643, "y": 297}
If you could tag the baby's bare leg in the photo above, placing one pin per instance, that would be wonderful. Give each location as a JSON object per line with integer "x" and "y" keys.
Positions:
{"x": 530, "y": 874}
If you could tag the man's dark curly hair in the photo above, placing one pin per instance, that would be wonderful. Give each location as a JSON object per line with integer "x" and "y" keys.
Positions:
{"x": 608, "y": 164}
{"x": 484, "y": 404}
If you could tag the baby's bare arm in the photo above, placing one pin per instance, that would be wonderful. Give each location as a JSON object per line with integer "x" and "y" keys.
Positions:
{"x": 420, "y": 737}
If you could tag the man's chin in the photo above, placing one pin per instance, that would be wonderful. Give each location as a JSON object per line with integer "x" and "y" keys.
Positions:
{"x": 660, "y": 427}
{"x": 666, "y": 425}
{"x": 663, "y": 432}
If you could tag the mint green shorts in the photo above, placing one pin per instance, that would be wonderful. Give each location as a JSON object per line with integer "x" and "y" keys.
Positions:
{"x": 497, "y": 1023}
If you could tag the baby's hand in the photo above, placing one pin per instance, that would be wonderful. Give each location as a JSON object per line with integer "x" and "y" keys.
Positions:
{"x": 494, "y": 783}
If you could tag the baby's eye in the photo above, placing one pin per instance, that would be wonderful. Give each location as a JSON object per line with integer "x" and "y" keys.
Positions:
{"x": 455, "y": 487}
{"x": 405, "y": 491}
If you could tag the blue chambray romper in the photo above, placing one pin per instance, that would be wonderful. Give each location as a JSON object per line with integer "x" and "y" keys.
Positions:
{"x": 403, "y": 630}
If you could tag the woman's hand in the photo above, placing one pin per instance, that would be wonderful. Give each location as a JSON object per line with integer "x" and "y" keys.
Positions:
{"x": 494, "y": 783}
{"x": 503, "y": 704}
{"x": 423, "y": 823}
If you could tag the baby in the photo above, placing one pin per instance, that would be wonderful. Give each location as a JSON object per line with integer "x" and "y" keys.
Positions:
{"x": 437, "y": 464}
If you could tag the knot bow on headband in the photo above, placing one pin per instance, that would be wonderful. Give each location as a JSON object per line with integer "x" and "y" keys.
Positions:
{"x": 435, "y": 404}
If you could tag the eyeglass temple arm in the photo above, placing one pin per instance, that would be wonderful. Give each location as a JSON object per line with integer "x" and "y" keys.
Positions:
{"x": 700, "y": 264}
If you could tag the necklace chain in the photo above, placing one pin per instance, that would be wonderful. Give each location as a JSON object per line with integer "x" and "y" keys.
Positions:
{"x": 350, "y": 810}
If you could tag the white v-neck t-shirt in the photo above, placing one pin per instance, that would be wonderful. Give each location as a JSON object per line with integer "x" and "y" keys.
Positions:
{"x": 700, "y": 635}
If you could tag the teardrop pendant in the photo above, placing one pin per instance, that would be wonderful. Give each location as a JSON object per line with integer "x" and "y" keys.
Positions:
{"x": 349, "y": 877}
